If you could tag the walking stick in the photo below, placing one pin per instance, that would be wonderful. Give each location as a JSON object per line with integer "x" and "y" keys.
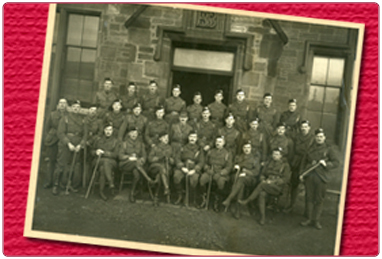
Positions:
{"x": 84, "y": 174}
{"x": 93, "y": 177}
{"x": 209, "y": 190}
{"x": 71, "y": 174}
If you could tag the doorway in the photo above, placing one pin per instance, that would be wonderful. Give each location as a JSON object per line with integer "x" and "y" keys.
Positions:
{"x": 206, "y": 84}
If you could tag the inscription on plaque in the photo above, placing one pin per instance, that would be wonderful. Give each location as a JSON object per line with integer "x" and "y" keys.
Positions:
{"x": 206, "y": 20}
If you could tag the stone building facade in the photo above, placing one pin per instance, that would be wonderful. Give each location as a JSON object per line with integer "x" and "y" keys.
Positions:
{"x": 140, "y": 43}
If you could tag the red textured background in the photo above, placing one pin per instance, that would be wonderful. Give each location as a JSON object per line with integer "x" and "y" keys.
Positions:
{"x": 24, "y": 37}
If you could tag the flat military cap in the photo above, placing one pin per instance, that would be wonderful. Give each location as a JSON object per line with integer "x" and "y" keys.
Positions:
{"x": 132, "y": 129}
{"x": 255, "y": 120}
{"x": 229, "y": 115}
{"x": 132, "y": 83}
{"x": 161, "y": 134}
{"x": 108, "y": 124}
{"x": 280, "y": 124}
{"x": 292, "y": 101}
{"x": 206, "y": 109}
{"x": 267, "y": 94}
{"x": 279, "y": 149}
{"x": 197, "y": 93}
{"x": 76, "y": 102}
{"x": 177, "y": 86}
{"x": 153, "y": 82}
{"x": 137, "y": 105}
{"x": 183, "y": 114}
{"x": 220, "y": 137}
{"x": 240, "y": 91}
{"x": 305, "y": 122}
{"x": 159, "y": 107}
{"x": 192, "y": 132}
{"x": 318, "y": 131}
{"x": 248, "y": 142}
{"x": 219, "y": 92}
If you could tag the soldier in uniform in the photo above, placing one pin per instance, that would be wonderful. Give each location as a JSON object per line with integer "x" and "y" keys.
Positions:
{"x": 206, "y": 131}
{"x": 151, "y": 100}
{"x": 316, "y": 181}
{"x": 241, "y": 110}
{"x": 105, "y": 97}
{"x": 72, "y": 134}
{"x": 136, "y": 119}
{"x": 268, "y": 115}
{"x": 291, "y": 118}
{"x": 195, "y": 110}
{"x": 218, "y": 166}
{"x": 247, "y": 169}
{"x": 274, "y": 176}
{"x": 303, "y": 140}
{"x": 189, "y": 163}
{"x": 280, "y": 140}
{"x": 115, "y": 116}
{"x": 218, "y": 109}
{"x": 174, "y": 105}
{"x": 106, "y": 148}
{"x": 257, "y": 139}
{"x": 161, "y": 158}
{"x": 132, "y": 156}
{"x": 232, "y": 136}
{"x": 51, "y": 139}
{"x": 179, "y": 132}
{"x": 155, "y": 128}
{"x": 130, "y": 99}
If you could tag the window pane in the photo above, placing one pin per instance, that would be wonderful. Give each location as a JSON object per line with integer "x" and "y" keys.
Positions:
{"x": 336, "y": 71}
{"x": 316, "y": 98}
{"x": 56, "y": 25}
{"x": 332, "y": 97}
{"x": 319, "y": 71}
{"x": 75, "y": 27}
{"x": 85, "y": 91}
{"x": 69, "y": 88}
{"x": 329, "y": 124}
{"x": 87, "y": 64}
{"x": 90, "y": 33}
{"x": 72, "y": 65}
{"x": 314, "y": 118}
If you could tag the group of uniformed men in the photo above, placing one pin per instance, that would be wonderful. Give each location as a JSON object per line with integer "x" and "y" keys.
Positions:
{"x": 193, "y": 152}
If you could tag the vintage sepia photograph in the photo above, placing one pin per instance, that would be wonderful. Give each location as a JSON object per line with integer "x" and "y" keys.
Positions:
{"x": 194, "y": 130}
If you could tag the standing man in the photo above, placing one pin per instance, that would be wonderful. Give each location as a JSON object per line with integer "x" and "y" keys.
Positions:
{"x": 151, "y": 100}
{"x": 257, "y": 139}
{"x": 303, "y": 140}
{"x": 136, "y": 119}
{"x": 241, "y": 110}
{"x": 130, "y": 99}
{"x": 195, "y": 110}
{"x": 115, "y": 116}
{"x": 161, "y": 159}
{"x": 316, "y": 181}
{"x": 206, "y": 131}
{"x": 132, "y": 157}
{"x": 218, "y": 166}
{"x": 231, "y": 135}
{"x": 189, "y": 163}
{"x": 105, "y": 97}
{"x": 268, "y": 115}
{"x": 51, "y": 139}
{"x": 155, "y": 128}
{"x": 106, "y": 148}
{"x": 291, "y": 118}
{"x": 218, "y": 109}
{"x": 174, "y": 105}
{"x": 179, "y": 132}
{"x": 72, "y": 133}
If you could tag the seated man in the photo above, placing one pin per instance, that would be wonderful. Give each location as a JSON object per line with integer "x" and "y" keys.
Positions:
{"x": 247, "y": 167}
{"x": 161, "y": 157}
{"x": 218, "y": 167}
{"x": 189, "y": 163}
{"x": 106, "y": 148}
{"x": 274, "y": 176}
{"x": 132, "y": 156}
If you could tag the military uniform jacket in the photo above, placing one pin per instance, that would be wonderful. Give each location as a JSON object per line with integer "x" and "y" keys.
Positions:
{"x": 291, "y": 119}
{"x": 278, "y": 171}
{"x": 285, "y": 143}
{"x": 132, "y": 121}
{"x": 104, "y": 99}
{"x": 129, "y": 101}
{"x": 240, "y": 110}
{"x": 109, "y": 146}
{"x": 219, "y": 160}
{"x": 116, "y": 119}
{"x": 52, "y": 126}
{"x": 190, "y": 156}
{"x": 231, "y": 137}
{"x": 161, "y": 151}
{"x": 206, "y": 133}
{"x": 250, "y": 162}
{"x": 153, "y": 129}
{"x": 194, "y": 112}
{"x": 131, "y": 148}
{"x": 301, "y": 147}
{"x": 258, "y": 142}
{"x": 218, "y": 111}
{"x": 318, "y": 152}
{"x": 179, "y": 133}
{"x": 173, "y": 104}
{"x": 150, "y": 101}
{"x": 95, "y": 129}
{"x": 72, "y": 129}
{"x": 268, "y": 116}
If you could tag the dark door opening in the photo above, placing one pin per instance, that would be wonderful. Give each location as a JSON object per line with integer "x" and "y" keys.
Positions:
{"x": 206, "y": 84}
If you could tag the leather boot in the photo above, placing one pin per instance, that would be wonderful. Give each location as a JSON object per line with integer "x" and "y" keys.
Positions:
{"x": 102, "y": 187}
{"x": 317, "y": 214}
{"x": 217, "y": 203}
{"x": 178, "y": 189}
{"x": 132, "y": 192}
{"x": 262, "y": 209}
{"x": 56, "y": 178}
{"x": 309, "y": 211}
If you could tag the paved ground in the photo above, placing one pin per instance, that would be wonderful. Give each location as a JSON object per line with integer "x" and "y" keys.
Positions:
{"x": 178, "y": 226}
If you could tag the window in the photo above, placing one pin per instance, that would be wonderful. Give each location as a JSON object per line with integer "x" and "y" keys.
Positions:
{"x": 325, "y": 93}
{"x": 79, "y": 61}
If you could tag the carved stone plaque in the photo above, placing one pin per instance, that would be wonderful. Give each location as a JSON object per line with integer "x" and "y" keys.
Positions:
{"x": 206, "y": 20}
